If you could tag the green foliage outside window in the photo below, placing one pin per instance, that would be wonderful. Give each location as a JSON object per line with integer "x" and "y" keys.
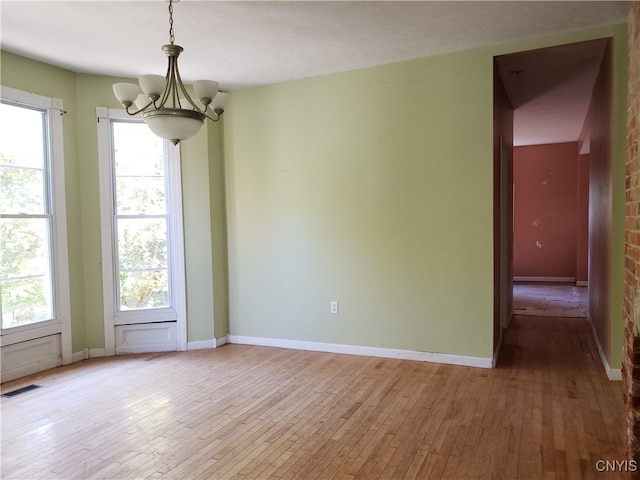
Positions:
{"x": 24, "y": 243}
{"x": 141, "y": 217}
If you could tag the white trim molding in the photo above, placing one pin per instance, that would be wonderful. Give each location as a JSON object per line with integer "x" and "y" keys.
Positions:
{"x": 96, "y": 352}
{"x": 467, "y": 361}
{"x": 213, "y": 343}
{"x": 60, "y": 257}
{"x": 123, "y": 322}
{"x": 612, "y": 373}
{"x": 88, "y": 353}
{"x": 201, "y": 344}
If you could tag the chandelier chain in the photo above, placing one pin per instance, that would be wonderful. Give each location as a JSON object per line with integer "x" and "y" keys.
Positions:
{"x": 171, "y": 33}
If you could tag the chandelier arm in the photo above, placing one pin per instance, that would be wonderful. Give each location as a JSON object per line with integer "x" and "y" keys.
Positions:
{"x": 172, "y": 86}
{"x": 217, "y": 117}
{"x": 126, "y": 109}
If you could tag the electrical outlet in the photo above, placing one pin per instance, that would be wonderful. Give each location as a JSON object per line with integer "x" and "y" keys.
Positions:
{"x": 334, "y": 307}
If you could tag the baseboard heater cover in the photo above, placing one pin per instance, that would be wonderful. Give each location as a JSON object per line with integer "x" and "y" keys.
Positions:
{"x": 13, "y": 393}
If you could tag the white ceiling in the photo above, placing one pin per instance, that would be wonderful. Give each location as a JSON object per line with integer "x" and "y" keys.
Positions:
{"x": 550, "y": 89}
{"x": 243, "y": 44}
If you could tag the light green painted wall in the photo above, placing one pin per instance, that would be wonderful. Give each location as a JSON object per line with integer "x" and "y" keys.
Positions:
{"x": 35, "y": 77}
{"x": 218, "y": 230}
{"x": 372, "y": 188}
{"x": 197, "y": 221}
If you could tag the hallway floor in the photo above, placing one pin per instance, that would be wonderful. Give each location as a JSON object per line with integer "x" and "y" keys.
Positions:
{"x": 550, "y": 300}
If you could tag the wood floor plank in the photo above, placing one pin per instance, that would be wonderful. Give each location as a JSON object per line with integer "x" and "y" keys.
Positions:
{"x": 251, "y": 413}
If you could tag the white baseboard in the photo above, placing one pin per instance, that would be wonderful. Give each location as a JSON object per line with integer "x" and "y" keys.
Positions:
{"x": 97, "y": 352}
{"x": 155, "y": 348}
{"x": 582, "y": 283}
{"x": 88, "y": 353}
{"x": 612, "y": 373}
{"x": 480, "y": 362}
{"x": 201, "y": 344}
{"x": 545, "y": 279}
{"x": 78, "y": 356}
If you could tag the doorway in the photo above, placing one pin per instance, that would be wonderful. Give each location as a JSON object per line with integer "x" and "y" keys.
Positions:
{"x": 547, "y": 97}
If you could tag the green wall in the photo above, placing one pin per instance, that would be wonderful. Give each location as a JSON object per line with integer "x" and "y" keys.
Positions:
{"x": 197, "y": 240}
{"x": 218, "y": 231}
{"x": 372, "y": 187}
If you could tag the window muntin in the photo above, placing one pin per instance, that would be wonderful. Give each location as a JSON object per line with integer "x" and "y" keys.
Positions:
{"x": 26, "y": 217}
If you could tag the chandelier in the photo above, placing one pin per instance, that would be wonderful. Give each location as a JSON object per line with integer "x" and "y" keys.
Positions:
{"x": 167, "y": 108}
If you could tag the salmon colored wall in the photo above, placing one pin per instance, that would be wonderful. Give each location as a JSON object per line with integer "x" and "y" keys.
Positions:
{"x": 546, "y": 192}
{"x": 582, "y": 238}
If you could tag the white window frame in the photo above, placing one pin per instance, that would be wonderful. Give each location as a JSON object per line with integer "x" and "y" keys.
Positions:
{"x": 61, "y": 323}
{"x": 177, "y": 310}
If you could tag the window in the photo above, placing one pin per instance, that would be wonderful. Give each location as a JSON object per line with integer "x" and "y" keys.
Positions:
{"x": 25, "y": 228}
{"x": 143, "y": 258}
{"x": 141, "y": 215}
{"x": 34, "y": 281}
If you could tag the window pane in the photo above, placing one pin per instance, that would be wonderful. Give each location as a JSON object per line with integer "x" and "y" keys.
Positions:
{"x": 22, "y": 160}
{"x": 25, "y": 271}
{"x": 139, "y": 170}
{"x": 144, "y": 289}
{"x": 143, "y": 266}
{"x": 140, "y": 195}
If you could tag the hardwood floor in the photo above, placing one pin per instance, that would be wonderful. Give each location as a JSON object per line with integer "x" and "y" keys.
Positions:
{"x": 550, "y": 300}
{"x": 245, "y": 412}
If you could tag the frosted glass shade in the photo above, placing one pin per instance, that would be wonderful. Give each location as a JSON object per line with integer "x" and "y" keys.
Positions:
{"x": 126, "y": 92}
{"x": 221, "y": 101}
{"x": 205, "y": 89}
{"x": 152, "y": 84}
{"x": 173, "y": 123}
{"x": 141, "y": 101}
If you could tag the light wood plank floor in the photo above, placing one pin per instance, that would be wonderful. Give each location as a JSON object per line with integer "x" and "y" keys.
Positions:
{"x": 245, "y": 412}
